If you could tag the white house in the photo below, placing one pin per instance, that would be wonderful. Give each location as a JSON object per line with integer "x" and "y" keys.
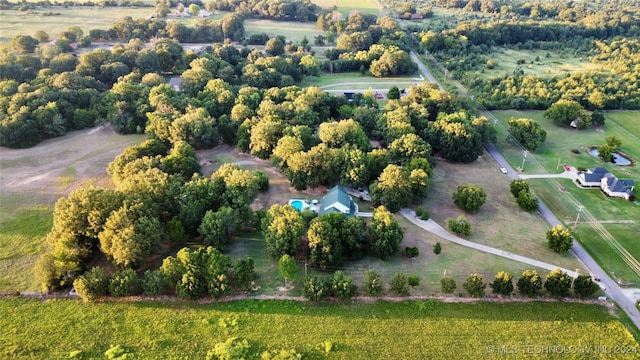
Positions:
{"x": 592, "y": 177}
{"x": 614, "y": 187}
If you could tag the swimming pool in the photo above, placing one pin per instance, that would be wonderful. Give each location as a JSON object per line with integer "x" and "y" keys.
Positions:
{"x": 296, "y": 204}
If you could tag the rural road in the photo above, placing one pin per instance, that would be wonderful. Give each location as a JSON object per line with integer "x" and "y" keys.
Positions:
{"x": 424, "y": 70}
{"x": 610, "y": 287}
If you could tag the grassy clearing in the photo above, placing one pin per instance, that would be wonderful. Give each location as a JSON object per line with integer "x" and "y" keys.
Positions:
{"x": 355, "y": 80}
{"x": 294, "y": 31}
{"x": 564, "y": 198}
{"x": 381, "y": 330}
{"x": 539, "y": 63}
{"x": 499, "y": 223}
{"x": 32, "y": 180}
{"x": 27, "y": 23}
{"x": 325, "y": 4}
{"x": 364, "y": 6}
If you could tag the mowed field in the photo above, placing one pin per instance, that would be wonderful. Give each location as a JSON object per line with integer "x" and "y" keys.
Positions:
{"x": 618, "y": 217}
{"x": 56, "y": 329}
{"x": 13, "y": 22}
{"x": 539, "y": 63}
{"x": 294, "y": 31}
{"x": 31, "y": 181}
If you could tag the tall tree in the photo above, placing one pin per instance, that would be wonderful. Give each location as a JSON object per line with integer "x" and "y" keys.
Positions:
{"x": 502, "y": 284}
{"x": 386, "y": 234}
{"x": 583, "y": 286}
{"x": 527, "y": 132}
{"x": 282, "y": 229}
{"x": 288, "y": 269}
{"x": 475, "y": 285}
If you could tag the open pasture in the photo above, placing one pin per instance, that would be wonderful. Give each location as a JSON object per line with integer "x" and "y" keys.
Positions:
{"x": 294, "y": 31}
{"x": 352, "y": 330}
{"x": 364, "y": 6}
{"x": 15, "y": 22}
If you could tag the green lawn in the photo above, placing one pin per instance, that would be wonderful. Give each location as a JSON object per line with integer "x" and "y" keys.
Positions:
{"x": 55, "y": 329}
{"x": 27, "y": 23}
{"x": 364, "y": 6}
{"x": 564, "y": 198}
{"x": 355, "y": 80}
{"x": 292, "y": 30}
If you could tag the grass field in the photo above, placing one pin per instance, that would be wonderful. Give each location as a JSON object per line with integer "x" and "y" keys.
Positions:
{"x": 364, "y": 6}
{"x": 27, "y": 23}
{"x": 355, "y": 330}
{"x": 564, "y": 198}
{"x": 355, "y": 80}
{"x": 294, "y": 31}
{"x": 539, "y": 63}
{"x": 31, "y": 180}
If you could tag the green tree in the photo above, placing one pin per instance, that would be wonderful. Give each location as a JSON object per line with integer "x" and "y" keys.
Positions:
{"x": 563, "y": 112}
{"x": 393, "y": 188}
{"x": 583, "y": 286}
{"x": 558, "y": 283}
{"x": 92, "y": 285}
{"x": 124, "y": 283}
{"x": 527, "y": 132}
{"x": 24, "y": 44}
{"x": 129, "y": 235}
{"x": 288, "y": 269}
{"x": 475, "y": 285}
{"x": 386, "y": 234}
{"x": 413, "y": 280}
{"x": 394, "y": 93}
{"x": 194, "y": 9}
{"x": 282, "y": 228}
{"x": 459, "y": 225}
{"x": 274, "y": 47}
{"x": 153, "y": 282}
{"x": 325, "y": 243}
{"x": 399, "y": 284}
{"x": 342, "y": 286}
{"x": 469, "y": 197}
{"x": 560, "y": 239}
{"x": 502, "y": 284}
{"x": 437, "y": 248}
{"x": 243, "y": 271}
{"x": 517, "y": 186}
{"x": 604, "y": 152}
{"x": 530, "y": 284}
{"x": 526, "y": 201}
{"x": 217, "y": 227}
{"x": 373, "y": 285}
{"x": 447, "y": 285}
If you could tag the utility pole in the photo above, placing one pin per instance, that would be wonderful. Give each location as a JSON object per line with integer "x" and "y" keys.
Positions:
{"x": 526, "y": 152}
{"x": 575, "y": 224}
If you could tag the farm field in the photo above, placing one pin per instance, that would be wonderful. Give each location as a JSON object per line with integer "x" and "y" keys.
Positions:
{"x": 292, "y": 30}
{"x": 27, "y": 23}
{"x": 354, "y": 330}
{"x": 619, "y": 216}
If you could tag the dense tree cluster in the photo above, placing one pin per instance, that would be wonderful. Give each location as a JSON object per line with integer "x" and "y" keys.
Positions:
{"x": 524, "y": 197}
{"x": 527, "y": 132}
{"x": 160, "y": 199}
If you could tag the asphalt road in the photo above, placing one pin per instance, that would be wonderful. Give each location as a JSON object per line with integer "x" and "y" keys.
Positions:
{"x": 424, "y": 70}
{"x": 610, "y": 287}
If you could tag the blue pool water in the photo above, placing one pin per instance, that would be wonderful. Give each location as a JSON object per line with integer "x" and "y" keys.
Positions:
{"x": 297, "y": 204}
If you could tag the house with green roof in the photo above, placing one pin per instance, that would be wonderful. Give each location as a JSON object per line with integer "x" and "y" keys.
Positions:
{"x": 337, "y": 200}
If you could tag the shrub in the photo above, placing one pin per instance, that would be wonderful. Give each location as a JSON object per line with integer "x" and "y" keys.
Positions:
{"x": 583, "y": 286}
{"x": 448, "y": 285}
{"x": 425, "y": 215}
{"x": 372, "y": 283}
{"x": 92, "y": 284}
{"x": 575, "y": 151}
{"x": 419, "y": 212}
{"x": 243, "y": 272}
{"x": 413, "y": 280}
{"x": 124, "y": 283}
{"x": 232, "y": 348}
{"x": 117, "y": 352}
{"x": 315, "y": 288}
{"x": 411, "y": 251}
{"x": 437, "y": 248}
{"x": 526, "y": 201}
{"x": 560, "y": 239}
{"x": 558, "y": 283}
{"x": 502, "y": 284}
{"x": 153, "y": 282}
{"x": 475, "y": 285}
{"x": 399, "y": 284}
{"x": 281, "y": 354}
{"x": 342, "y": 286}
{"x": 469, "y": 197}
{"x": 459, "y": 225}
{"x": 530, "y": 283}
